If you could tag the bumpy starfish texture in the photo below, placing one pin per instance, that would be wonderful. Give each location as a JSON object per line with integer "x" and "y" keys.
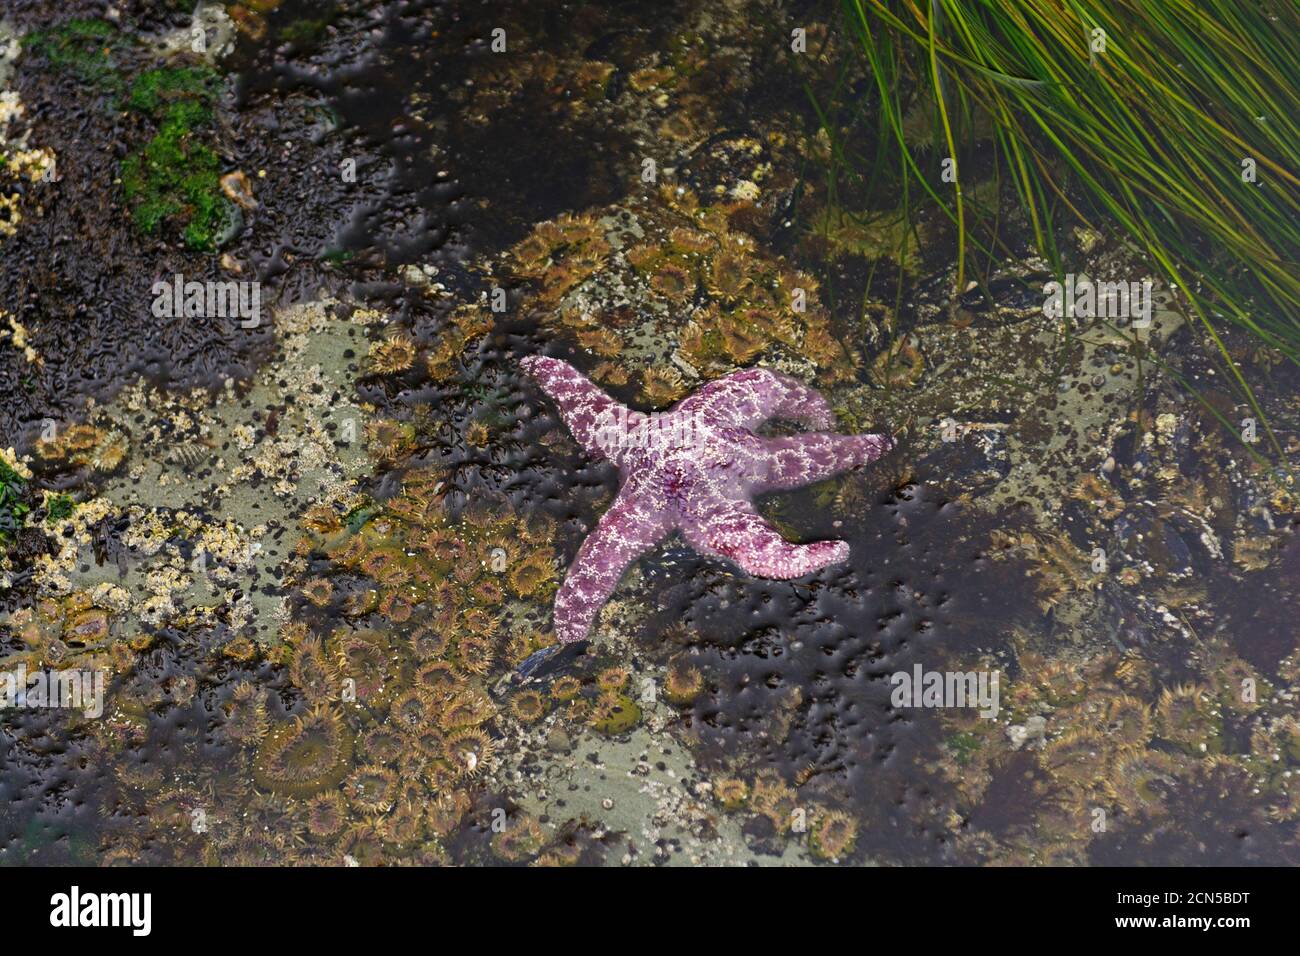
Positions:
{"x": 696, "y": 468}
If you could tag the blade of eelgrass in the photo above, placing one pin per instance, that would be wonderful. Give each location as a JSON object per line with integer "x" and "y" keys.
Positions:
{"x": 1207, "y": 71}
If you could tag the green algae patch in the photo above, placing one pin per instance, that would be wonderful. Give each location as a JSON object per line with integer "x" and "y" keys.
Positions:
{"x": 615, "y": 715}
{"x": 86, "y": 49}
{"x": 176, "y": 177}
{"x": 13, "y": 509}
{"x": 58, "y": 507}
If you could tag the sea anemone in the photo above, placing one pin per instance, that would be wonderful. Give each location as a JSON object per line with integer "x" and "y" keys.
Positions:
{"x": 487, "y": 591}
{"x": 899, "y": 366}
{"x": 474, "y": 653}
{"x": 673, "y": 281}
{"x": 468, "y": 707}
{"x": 468, "y": 750}
{"x": 326, "y": 814}
{"x": 396, "y": 605}
{"x": 396, "y": 353}
{"x": 1078, "y": 758}
{"x": 306, "y": 755}
{"x": 246, "y": 719}
{"x": 566, "y": 688}
{"x": 774, "y": 799}
{"x": 321, "y": 520}
{"x": 1188, "y": 717}
{"x": 1142, "y": 780}
{"x": 429, "y": 642}
{"x": 683, "y": 683}
{"x": 604, "y": 342}
{"x": 662, "y": 385}
{"x": 411, "y": 710}
{"x": 363, "y": 660}
{"x": 728, "y": 276}
{"x": 1128, "y": 721}
{"x": 612, "y": 678}
{"x": 318, "y": 591}
{"x": 832, "y": 835}
{"x": 480, "y": 621}
{"x": 389, "y": 440}
{"x": 382, "y": 745}
{"x": 477, "y": 435}
{"x": 435, "y": 677}
{"x": 532, "y": 576}
{"x": 372, "y": 788}
{"x": 522, "y": 837}
{"x": 430, "y": 742}
{"x": 739, "y": 339}
{"x": 445, "y": 812}
{"x": 311, "y": 672}
{"x": 405, "y": 825}
{"x": 732, "y": 792}
{"x": 528, "y": 706}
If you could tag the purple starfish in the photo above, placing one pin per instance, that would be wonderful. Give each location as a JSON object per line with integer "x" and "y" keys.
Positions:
{"x": 696, "y": 469}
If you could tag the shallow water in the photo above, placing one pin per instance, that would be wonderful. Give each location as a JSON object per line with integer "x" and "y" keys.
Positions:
{"x": 309, "y": 556}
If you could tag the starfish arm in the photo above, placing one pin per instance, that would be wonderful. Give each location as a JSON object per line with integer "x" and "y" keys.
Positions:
{"x": 752, "y": 396}
{"x": 733, "y": 529}
{"x": 633, "y": 524}
{"x": 797, "y": 460}
{"x": 601, "y": 425}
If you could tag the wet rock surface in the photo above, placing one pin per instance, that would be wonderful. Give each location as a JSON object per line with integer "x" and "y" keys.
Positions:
{"x": 308, "y": 556}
